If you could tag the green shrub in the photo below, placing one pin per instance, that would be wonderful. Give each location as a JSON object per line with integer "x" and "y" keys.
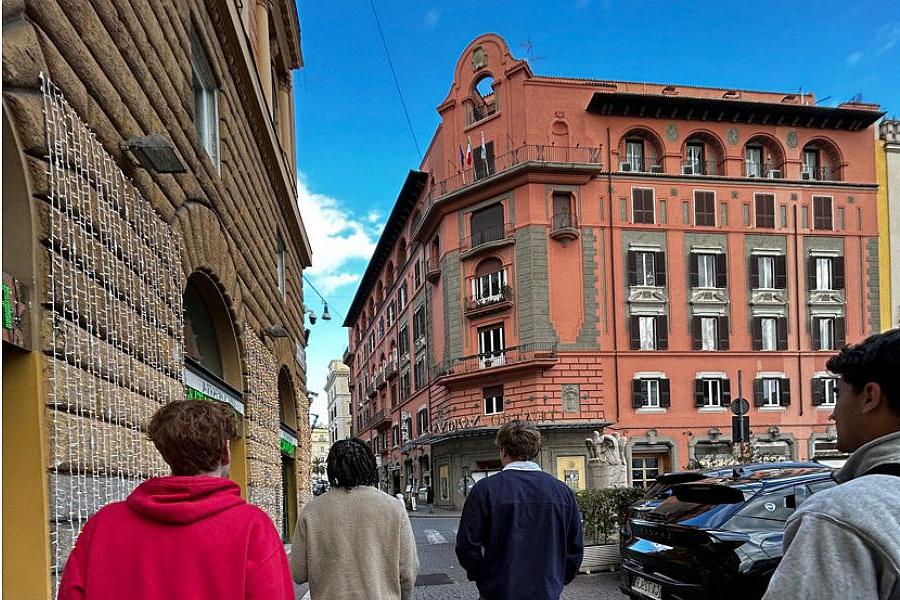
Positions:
{"x": 604, "y": 511}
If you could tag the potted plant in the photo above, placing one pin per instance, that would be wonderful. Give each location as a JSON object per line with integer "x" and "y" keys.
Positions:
{"x": 603, "y": 513}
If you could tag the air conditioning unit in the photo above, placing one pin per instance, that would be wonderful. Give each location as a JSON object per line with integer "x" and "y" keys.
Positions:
{"x": 687, "y": 169}
{"x": 774, "y": 173}
{"x": 806, "y": 175}
{"x": 624, "y": 167}
{"x": 656, "y": 169}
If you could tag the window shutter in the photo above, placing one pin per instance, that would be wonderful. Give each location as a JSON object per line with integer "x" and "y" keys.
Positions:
{"x": 781, "y": 330}
{"x": 635, "y": 333}
{"x": 665, "y": 396}
{"x": 810, "y": 273}
{"x": 785, "y": 392}
{"x": 816, "y": 337}
{"x": 838, "y": 272}
{"x": 699, "y": 392}
{"x": 840, "y": 333}
{"x": 696, "y": 333}
{"x": 694, "y": 268}
{"x": 758, "y": 392}
{"x": 660, "y": 268}
{"x": 724, "y": 340}
{"x": 756, "y": 333}
{"x": 818, "y": 391}
{"x": 632, "y": 267}
{"x": 637, "y": 397}
{"x": 781, "y": 272}
{"x": 726, "y": 392}
{"x": 721, "y": 271}
{"x": 754, "y": 272}
{"x": 662, "y": 332}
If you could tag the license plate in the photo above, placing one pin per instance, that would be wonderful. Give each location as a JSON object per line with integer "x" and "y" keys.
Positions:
{"x": 647, "y": 588}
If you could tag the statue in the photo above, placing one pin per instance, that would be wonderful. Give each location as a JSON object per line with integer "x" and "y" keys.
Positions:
{"x": 607, "y": 459}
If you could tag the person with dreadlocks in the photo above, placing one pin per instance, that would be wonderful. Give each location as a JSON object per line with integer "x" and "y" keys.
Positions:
{"x": 354, "y": 541}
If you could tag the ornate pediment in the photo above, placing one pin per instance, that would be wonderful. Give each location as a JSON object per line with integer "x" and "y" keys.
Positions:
{"x": 771, "y": 297}
{"x": 647, "y": 295}
{"x": 708, "y": 296}
{"x": 827, "y": 297}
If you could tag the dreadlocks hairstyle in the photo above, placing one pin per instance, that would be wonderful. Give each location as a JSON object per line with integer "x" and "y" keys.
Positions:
{"x": 874, "y": 360}
{"x": 351, "y": 463}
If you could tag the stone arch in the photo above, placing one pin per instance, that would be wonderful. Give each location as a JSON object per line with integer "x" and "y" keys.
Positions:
{"x": 714, "y": 150}
{"x": 289, "y": 422}
{"x": 558, "y": 133}
{"x": 830, "y": 156}
{"x": 773, "y": 151}
{"x": 653, "y": 148}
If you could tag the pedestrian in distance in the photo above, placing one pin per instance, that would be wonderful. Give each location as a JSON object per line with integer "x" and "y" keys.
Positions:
{"x": 188, "y": 535}
{"x": 520, "y": 534}
{"x": 844, "y": 542}
{"x": 429, "y": 498}
{"x": 354, "y": 541}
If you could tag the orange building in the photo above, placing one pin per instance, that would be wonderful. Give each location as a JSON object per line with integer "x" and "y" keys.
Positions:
{"x": 587, "y": 254}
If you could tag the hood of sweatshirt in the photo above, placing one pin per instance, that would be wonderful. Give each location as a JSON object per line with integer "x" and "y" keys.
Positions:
{"x": 184, "y": 499}
{"x": 885, "y": 449}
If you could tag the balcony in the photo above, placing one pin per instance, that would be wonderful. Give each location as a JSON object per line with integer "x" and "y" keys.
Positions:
{"x": 432, "y": 270}
{"x": 487, "y": 239}
{"x": 820, "y": 174}
{"x": 419, "y": 343}
{"x": 537, "y": 355}
{"x": 564, "y": 226}
{"x": 485, "y": 304}
{"x": 380, "y": 380}
{"x": 765, "y": 171}
{"x": 390, "y": 371}
{"x": 701, "y": 167}
{"x": 371, "y": 392}
{"x": 640, "y": 165}
{"x": 546, "y": 157}
{"x": 378, "y": 420}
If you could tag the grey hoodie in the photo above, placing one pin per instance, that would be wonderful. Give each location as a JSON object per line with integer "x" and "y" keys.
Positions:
{"x": 845, "y": 542}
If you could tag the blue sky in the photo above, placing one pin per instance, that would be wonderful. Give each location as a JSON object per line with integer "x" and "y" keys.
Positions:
{"x": 355, "y": 147}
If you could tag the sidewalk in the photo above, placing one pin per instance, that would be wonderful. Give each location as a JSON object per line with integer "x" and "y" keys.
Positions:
{"x": 422, "y": 512}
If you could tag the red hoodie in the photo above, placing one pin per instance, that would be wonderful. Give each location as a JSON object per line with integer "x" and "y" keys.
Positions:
{"x": 185, "y": 538}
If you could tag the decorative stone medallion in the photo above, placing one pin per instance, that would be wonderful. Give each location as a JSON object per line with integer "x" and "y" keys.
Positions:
{"x": 570, "y": 397}
{"x": 479, "y": 58}
{"x": 672, "y": 132}
{"x": 791, "y": 139}
{"x": 732, "y": 136}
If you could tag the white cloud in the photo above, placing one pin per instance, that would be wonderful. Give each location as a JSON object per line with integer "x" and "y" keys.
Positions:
{"x": 433, "y": 17}
{"x": 373, "y": 216}
{"x": 853, "y": 58}
{"x": 341, "y": 243}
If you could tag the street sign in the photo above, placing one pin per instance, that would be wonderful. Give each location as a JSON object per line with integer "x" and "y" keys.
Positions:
{"x": 740, "y": 406}
{"x": 740, "y": 429}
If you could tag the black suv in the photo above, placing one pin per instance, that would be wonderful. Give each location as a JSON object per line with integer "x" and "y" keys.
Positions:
{"x": 720, "y": 535}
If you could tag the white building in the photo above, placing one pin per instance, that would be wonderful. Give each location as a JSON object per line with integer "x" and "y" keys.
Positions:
{"x": 888, "y": 165}
{"x": 338, "y": 389}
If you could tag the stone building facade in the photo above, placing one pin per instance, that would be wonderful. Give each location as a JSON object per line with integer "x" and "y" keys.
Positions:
{"x": 337, "y": 388}
{"x": 136, "y": 275}
{"x": 888, "y": 164}
{"x": 591, "y": 254}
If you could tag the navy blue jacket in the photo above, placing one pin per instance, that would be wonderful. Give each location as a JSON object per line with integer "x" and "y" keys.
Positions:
{"x": 520, "y": 536}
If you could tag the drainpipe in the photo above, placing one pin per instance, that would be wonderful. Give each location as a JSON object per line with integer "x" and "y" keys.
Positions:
{"x": 799, "y": 317}
{"x": 612, "y": 262}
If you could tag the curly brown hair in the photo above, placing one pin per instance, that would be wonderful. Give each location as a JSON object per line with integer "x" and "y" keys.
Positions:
{"x": 519, "y": 440}
{"x": 191, "y": 435}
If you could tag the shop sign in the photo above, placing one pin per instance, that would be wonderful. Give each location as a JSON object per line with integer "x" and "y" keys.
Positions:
{"x": 472, "y": 421}
{"x": 288, "y": 442}
{"x": 200, "y": 388}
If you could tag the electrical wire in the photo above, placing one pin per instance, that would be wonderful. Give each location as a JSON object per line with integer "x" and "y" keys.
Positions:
{"x": 396, "y": 81}
{"x": 324, "y": 300}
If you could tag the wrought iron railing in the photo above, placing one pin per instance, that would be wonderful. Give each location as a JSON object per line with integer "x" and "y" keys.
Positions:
{"x": 640, "y": 165}
{"x": 769, "y": 170}
{"x": 504, "y": 294}
{"x": 701, "y": 167}
{"x": 820, "y": 174}
{"x": 376, "y": 418}
{"x": 508, "y": 356}
{"x": 487, "y": 235}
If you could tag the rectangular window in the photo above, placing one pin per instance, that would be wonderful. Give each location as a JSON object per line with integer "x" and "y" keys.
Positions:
{"x": 395, "y": 436}
{"x": 825, "y": 327}
{"x": 642, "y": 206}
{"x": 484, "y": 160}
{"x": 766, "y": 272}
{"x": 650, "y": 392}
{"x": 754, "y": 161}
{"x": 417, "y": 274}
{"x": 634, "y": 155}
{"x": 487, "y": 225}
{"x": 771, "y": 390}
{"x": 206, "y": 101}
{"x": 380, "y": 328}
{"x": 645, "y": 470}
{"x": 709, "y": 333}
{"x": 403, "y": 341}
{"x": 646, "y": 268}
{"x": 404, "y": 385}
{"x": 647, "y": 326}
{"x": 769, "y": 327}
{"x": 419, "y": 323}
{"x": 824, "y": 273}
{"x": 822, "y": 213}
{"x": 706, "y": 270}
{"x": 280, "y": 266}
{"x": 489, "y": 288}
{"x": 810, "y": 168}
{"x": 490, "y": 347}
{"x": 401, "y": 297}
{"x": 705, "y": 208}
{"x": 420, "y": 373}
{"x": 712, "y": 392}
{"x": 563, "y": 215}
{"x": 371, "y": 342}
{"x": 493, "y": 400}
{"x": 422, "y": 421}
{"x": 695, "y": 159}
{"x": 765, "y": 210}
{"x": 829, "y": 397}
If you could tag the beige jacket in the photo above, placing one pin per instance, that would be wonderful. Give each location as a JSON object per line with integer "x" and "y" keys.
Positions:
{"x": 353, "y": 544}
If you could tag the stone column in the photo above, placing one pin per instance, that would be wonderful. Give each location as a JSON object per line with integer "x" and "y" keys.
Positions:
{"x": 264, "y": 50}
{"x": 284, "y": 119}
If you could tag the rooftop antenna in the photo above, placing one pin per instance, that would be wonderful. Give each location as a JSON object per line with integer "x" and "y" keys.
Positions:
{"x": 529, "y": 51}
{"x": 821, "y": 100}
{"x": 857, "y": 98}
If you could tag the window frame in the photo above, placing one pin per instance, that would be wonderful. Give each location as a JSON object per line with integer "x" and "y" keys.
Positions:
{"x": 647, "y": 386}
{"x": 711, "y": 400}
{"x": 756, "y": 211}
{"x": 204, "y": 83}
{"x": 641, "y": 268}
{"x": 643, "y": 322}
{"x": 823, "y": 226}
{"x": 644, "y": 212}
{"x": 712, "y": 213}
{"x": 495, "y": 400}
{"x": 774, "y": 384}
{"x": 774, "y": 331}
{"x": 829, "y": 384}
{"x": 714, "y": 340}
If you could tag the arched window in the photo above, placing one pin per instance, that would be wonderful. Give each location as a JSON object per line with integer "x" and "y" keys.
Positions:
{"x": 702, "y": 154}
{"x": 640, "y": 150}
{"x": 484, "y": 99}
{"x": 201, "y": 341}
{"x": 763, "y": 157}
{"x": 821, "y": 161}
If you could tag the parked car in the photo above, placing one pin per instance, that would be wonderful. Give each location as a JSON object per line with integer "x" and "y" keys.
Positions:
{"x": 320, "y": 487}
{"x": 719, "y": 535}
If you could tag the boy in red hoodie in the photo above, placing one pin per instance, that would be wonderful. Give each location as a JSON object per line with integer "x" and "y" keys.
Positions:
{"x": 188, "y": 536}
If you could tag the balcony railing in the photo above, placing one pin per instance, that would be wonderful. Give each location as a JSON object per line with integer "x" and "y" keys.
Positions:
{"x": 764, "y": 170}
{"x": 371, "y": 391}
{"x": 380, "y": 380}
{"x": 528, "y": 153}
{"x": 508, "y": 356}
{"x": 640, "y": 165}
{"x": 432, "y": 269}
{"x": 490, "y": 234}
{"x": 390, "y": 370}
{"x": 484, "y": 303}
{"x": 376, "y": 419}
{"x": 701, "y": 167}
{"x": 820, "y": 174}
